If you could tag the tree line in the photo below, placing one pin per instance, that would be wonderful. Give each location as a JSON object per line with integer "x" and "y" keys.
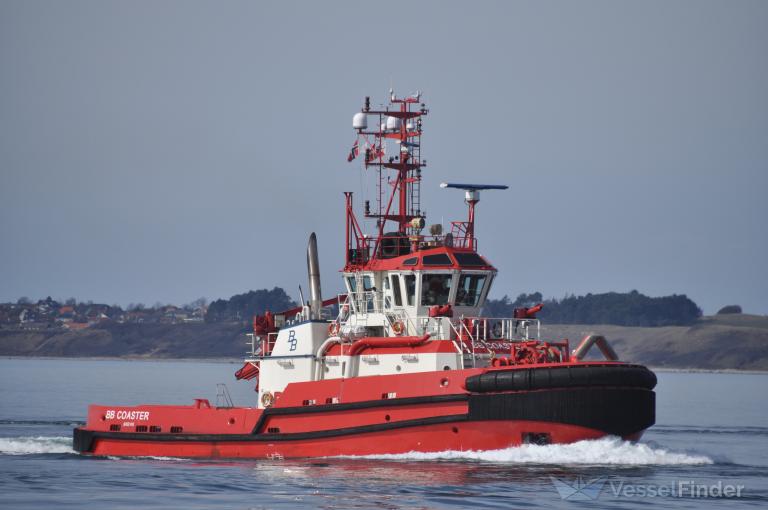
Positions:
{"x": 622, "y": 309}
{"x": 242, "y": 307}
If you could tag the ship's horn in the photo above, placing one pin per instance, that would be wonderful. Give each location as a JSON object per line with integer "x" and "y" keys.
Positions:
{"x": 313, "y": 270}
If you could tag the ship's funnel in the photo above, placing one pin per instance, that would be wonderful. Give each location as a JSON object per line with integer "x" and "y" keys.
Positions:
{"x": 313, "y": 271}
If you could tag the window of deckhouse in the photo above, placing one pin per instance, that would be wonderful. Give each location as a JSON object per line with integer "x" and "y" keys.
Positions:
{"x": 410, "y": 288}
{"x": 470, "y": 289}
{"x": 435, "y": 288}
{"x": 396, "y": 290}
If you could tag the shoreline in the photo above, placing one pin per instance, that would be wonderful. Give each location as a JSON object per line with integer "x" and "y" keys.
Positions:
{"x": 710, "y": 370}
{"x": 227, "y": 361}
{"x": 233, "y": 361}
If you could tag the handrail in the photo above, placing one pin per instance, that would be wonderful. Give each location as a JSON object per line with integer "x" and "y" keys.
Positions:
{"x": 261, "y": 345}
{"x": 467, "y": 333}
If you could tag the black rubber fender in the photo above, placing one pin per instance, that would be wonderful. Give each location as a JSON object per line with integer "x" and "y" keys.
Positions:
{"x": 570, "y": 376}
{"x": 522, "y": 380}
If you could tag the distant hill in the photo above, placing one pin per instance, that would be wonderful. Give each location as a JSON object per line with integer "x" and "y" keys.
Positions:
{"x": 731, "y": 341}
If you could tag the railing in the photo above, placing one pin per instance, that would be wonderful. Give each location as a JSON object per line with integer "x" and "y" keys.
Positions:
{"x": 223, "y": 398}
{"x": 482, "y": 337}
{"x": 479, "y": 329}
{"x": 362, "y": 304}
{"x": 460, "y": 237}
{"x": 365, "y": 302}
{"x": 261, "y": 345}
{"x": 394, "y": 246}
{"x": 502, "y": 328}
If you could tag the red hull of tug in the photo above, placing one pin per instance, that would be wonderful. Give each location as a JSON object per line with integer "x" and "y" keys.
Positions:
{"x": 424, "y": 412}
{"x": 462, "y": 436}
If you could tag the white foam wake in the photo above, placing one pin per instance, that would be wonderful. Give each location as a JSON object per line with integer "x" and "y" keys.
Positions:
{"x": 148, "y": 457}
{"x": 604, "y": 451}
{"x": 35, "y": 445}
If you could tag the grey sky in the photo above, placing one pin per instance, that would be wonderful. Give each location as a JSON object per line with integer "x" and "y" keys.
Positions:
{"x": 163, "y": 151}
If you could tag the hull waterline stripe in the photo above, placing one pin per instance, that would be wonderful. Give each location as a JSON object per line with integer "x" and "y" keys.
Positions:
{"x": 367, "y": 404}
{"x": 242, "y": 438}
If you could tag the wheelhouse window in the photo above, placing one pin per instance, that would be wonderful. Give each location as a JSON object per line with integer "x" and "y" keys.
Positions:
{"x": 470, "y": 289}
{"x": 435, "y": 288}
{"x": 469, "y": 259}
{"x": 387, "y": 295}
{"x": 438, "y": 259}
{"x": 396, "y": 290}
{"x": 368, "y": 288}
{"x": 410, "y": 288}
{"x": 351, "y": 284}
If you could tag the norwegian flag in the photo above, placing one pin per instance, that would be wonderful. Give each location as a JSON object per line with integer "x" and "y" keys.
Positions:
{"x": 376, "y": 152}
{"x": 354, "y": 152}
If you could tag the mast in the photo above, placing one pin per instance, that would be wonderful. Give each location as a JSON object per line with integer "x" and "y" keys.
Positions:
{"x": 401, "y": 123}
{"x": 398, "y": 197}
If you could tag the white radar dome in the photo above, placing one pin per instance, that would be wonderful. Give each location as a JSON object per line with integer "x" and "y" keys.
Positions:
{"x": 393, "y": 123}
{"x": 360, "y": 121}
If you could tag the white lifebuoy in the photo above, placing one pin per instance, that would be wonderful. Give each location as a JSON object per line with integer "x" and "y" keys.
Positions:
{"x": 267, "y": 399}
{"x": 398, "y": 327}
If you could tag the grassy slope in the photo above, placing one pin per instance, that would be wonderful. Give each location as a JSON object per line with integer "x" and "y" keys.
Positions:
{"x": 716, "y": 342}
{"x": 131, "y": 340}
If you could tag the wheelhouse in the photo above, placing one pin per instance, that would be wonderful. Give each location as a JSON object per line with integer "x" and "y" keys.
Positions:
{"x": 419, "y": 281}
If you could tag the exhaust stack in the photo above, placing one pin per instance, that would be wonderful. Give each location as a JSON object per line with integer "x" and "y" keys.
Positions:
{"x": 313, "y": 271}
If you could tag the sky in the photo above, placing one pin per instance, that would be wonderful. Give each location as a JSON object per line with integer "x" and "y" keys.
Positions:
{"x": 166, "y": 151}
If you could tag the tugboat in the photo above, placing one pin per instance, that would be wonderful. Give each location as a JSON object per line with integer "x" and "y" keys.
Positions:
{"x": 404, "y": 360}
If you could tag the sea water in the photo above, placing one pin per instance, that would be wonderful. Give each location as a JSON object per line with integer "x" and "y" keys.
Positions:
{"x": 709, "y": 448}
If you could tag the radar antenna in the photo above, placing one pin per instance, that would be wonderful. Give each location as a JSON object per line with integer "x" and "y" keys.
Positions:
{"x": 464, "y": 231}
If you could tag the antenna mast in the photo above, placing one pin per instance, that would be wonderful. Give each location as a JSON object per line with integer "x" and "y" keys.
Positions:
{"x": 399, "y": 187}
{"x": 400, "y": 122}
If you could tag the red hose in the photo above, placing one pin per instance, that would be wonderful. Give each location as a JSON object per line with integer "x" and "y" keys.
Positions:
{"x": 407, "y": 341}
